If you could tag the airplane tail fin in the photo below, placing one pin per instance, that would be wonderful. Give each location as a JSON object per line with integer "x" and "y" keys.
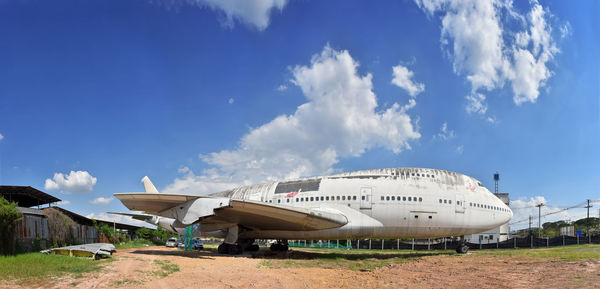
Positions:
{"x": 148, "y": 186}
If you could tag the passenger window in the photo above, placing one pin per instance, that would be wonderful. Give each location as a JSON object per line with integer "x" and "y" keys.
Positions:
{"x": 312, "y": 199}
{"x": 337, "y": 198}
{"x": 354, "y": 198}
{"x": 387, "y": 198}
{"x": 404, "y": 198}
{"x": 322, "y": 198}
{"x": 343, "y": 198}
{"x": 420, "y": 199}
{"x": 382, "y": 197}
{"x": 393, "y": 198}
{"x": 449, "y": 201}
{"x": 288, "y": 200}
{"x": 440, "y": 201}
{"x": 416, "y": 217}
{"x": 430, "y": 217}
{"x": 409, "y": 199}
{"x": 327, "y": 198}
{"x": 445, "y": 201}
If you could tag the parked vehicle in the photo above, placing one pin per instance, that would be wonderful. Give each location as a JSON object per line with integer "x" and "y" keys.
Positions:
{"x": 172, "y": 242}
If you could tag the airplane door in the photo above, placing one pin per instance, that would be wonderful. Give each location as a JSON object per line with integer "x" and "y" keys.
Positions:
{"x": 460, "y": 204}
{"x": 365, "y": 197}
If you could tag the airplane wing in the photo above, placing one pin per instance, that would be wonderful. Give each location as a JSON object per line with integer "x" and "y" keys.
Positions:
{"x": 138, "y": 216}
{"x": 219, "y": 212}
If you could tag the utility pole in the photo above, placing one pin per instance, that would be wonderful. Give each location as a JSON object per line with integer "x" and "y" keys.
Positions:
{"x": 540, "y": 219}
{"x": 530, "y": 232}
{"x": 587, "y": 221}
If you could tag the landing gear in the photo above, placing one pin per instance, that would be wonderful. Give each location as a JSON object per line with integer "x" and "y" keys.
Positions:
{"x": 231, "y": 249}
{"x": 252, "y": 248}
{"x": 280, "y": 246}
{"x": 462, "y": 247}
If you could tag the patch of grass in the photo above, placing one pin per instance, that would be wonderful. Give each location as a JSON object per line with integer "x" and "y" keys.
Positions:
{"x": 36, "y": 266}
{"x": 165, "y": 268}
{"x": 567, "y": 253}
{"x": 140, "y": 243}
{"x": 357, "y": 260}
{"x": 126, "y": 281}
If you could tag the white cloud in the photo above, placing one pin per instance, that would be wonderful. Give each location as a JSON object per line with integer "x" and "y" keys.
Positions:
{"x": 523, "y": 208}
{"x": 63, "y": 203}
{"x": 460, "y": 149}
{"x": 74, "y": 182}
{"x": 484, "y": 43}
{"x": 230, "y": 101}
{"x": 402, "y": 78}
{"x": 445, "y": 133}
{"x": 255, "y": 13}
{"x": 340, "y": 119}
{"x": 476, "y": 103}
{"x": 101, "y": 201}
{"x": 282, "y": 87}
{"x": 119, "y": 219}
{"x": 1, "y": 136}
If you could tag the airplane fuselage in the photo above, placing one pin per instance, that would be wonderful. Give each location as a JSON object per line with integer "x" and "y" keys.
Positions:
{"x": 383, "y": 203}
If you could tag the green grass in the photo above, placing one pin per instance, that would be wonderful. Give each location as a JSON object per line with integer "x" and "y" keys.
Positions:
{"x": 37, "y": 266}
{"x": 165, "y": 268}
{"x": 567, "y": 253}
{"x": 140, "y": 243}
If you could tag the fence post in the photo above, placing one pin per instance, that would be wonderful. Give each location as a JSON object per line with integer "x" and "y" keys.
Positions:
{"x": 398, "y": 244}
{"x": 498, "y": 241}
{"x": 358, "y": 244}
{"x": 328, "y": 244}
{"x": 515, "y": 241}
{"x": 369, "y": 244}
{"x": 563, "y": 240}
{"x": 428, "y": 244}
{"x": 413, "y": 244}
{"x": 381, "y": 244}
{"x": 547, "y": 242}
{"x": 445, "y": 244}
{"x": 338, "y": 244}
{"x": 577, "y": 239}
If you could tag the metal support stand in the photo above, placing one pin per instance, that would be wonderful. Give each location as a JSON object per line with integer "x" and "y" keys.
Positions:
{"x": 413, "y": 244}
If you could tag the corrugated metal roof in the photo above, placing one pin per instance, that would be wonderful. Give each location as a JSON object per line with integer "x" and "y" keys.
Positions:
{"x": 26, "y": 196}
{"x": 30, "y": 211}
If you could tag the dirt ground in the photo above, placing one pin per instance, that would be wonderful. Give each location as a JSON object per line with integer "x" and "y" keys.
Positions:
{"x": 136, "y": 268}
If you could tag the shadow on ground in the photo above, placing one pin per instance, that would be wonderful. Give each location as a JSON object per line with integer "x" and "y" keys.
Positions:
{"x": 178, "y": 253}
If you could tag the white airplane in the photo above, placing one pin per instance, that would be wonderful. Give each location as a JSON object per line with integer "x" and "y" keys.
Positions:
{"x": 379, "y": 203}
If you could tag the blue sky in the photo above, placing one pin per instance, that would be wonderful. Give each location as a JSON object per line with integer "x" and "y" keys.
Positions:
{"x": 204, "y": 95}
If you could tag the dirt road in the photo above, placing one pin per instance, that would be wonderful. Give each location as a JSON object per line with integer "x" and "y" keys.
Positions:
{"x": 154, "y": 267}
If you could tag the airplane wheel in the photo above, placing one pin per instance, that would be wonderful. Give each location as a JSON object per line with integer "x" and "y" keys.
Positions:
{"x": 462, "y": 249}
{"x": 253, "y": 248}
{"x": 223, "y": 249}
{"x": 284, "y": 248}
{"x": 235, "y": 249}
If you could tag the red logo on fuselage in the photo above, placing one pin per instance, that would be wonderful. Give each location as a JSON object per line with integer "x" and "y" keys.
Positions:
{"x": 292, "y": 194}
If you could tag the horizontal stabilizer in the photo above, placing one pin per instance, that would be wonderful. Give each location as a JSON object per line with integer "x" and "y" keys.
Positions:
{"x": 138, "y": 216}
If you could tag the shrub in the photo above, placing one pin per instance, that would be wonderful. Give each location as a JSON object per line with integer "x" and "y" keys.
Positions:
{"x": 8, "y": 218}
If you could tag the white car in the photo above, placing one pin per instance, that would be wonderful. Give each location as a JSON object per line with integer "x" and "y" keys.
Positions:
{"x": 172, "y": 242}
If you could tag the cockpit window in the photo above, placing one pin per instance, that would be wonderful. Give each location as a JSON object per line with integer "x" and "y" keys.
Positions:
{"x": 479, "y": 184}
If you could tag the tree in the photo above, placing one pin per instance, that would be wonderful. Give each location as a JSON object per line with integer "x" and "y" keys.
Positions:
{"x": 61, "y": 227}
{"x": 144, "y": 233}
{"x": 8, "y": 218}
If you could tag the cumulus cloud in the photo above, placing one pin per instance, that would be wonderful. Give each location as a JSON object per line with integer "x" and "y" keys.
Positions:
{"x": 255, "y": 13}
{"x": 403, "y": 78}
{"x": 119, "y": 219}
{"x": 282, "y": 87}
{"x": 74, "y": 182}
{"x": 1, "y": 136}
{"x": 460, "y": 149}
{"x": 101, "y": 201}
{"x": 341, "y": 118}
{"x": 484, "y": 44}
{"x": 63, "y": 203}
{"x": 523, "y": 208}
{"x": 230, "y": 101}
{"x": 445, "y": 133}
